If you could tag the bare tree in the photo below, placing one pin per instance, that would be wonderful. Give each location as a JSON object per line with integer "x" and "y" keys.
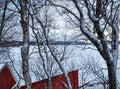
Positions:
{"x": 43, "y": 35}
{"x": 8, "y": 22}
{"x": 102, "y": 14}
{"x": 24, "y": 13}
{"x": 95, "y": 69}
{"x": 45, "y": 67}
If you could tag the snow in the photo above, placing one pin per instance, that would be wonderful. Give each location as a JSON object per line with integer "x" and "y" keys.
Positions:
{"x": 25, "y": 45}
{"x": 95, "y": 18}
{"x": 90, "y": 34}
{"x": 76, "y": 55}
{"x": 1, "y": 66}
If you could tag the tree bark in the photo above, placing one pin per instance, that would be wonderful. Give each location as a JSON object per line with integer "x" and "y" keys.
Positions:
{"x": 25, "y": 47}
{"x": 112, "y": 75}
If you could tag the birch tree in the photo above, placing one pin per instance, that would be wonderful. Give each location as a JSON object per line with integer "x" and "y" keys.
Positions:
{"x": 10, "y": 10}
{"x": 42, "y": 35}
{"x": 100, "y": 15}
{"x": 25, "y": 48}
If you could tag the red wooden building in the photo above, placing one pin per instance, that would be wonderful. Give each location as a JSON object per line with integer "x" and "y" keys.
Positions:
{"x": 7, "y": 81}
{"x": 58, "y": 82}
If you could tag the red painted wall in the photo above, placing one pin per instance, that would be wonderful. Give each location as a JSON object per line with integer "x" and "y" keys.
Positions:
{"x": 57, "y": 82}
{"x": 6, "y": 79}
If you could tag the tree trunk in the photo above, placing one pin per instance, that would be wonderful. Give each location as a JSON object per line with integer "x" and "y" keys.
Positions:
{"x": 49, "y": 83}
{"x": 112, "y": 75}
{"x": 25, "y": 47}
